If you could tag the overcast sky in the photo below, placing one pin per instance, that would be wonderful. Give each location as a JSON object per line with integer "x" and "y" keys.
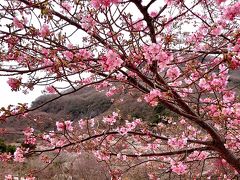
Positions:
{"x": 9, "y": 97}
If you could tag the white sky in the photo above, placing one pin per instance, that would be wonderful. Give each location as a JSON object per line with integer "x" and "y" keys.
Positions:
{"x": 9, "y": 97}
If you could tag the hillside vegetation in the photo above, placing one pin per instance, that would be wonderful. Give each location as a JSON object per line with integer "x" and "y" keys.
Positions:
{"x": 84, "y": 104}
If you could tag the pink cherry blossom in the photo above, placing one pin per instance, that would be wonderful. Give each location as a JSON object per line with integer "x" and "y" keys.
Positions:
{"x": 44, "y": 31}
{"x": 68, "y": 55}
{"x": 152, "y": 97}
{"x": 84, "y": 54}
{"x": 81, "y": 123}
{"x": 14, "y": 83}
{"x": 101, "y": 155}
{"x": 110, "y": 119}
{"x": 28, "y": 131}
{"x": 66, "y": 125}
{"x": 50, "y": 89}
{"x": 18, "y": 155}
{"x": 112, "y": 61}
{"x": 173, "y": 73}
{"x": 232, "y": 11}
{"x": 113, "y": 90}
{"x": 17, "y": 23}
{"x": 196, "y": 155}
{"x": 179, "y": 168}
{"x": 138, "y": 25}
{"x": 8, "y": 177}
{"x": 5, "y": 157}
{"x": 87, "y": 22}
{"x": 66, "y": 6}
{"x": 104, "y": 3}
{"x": 154, "y": 52}
{"x": 217, "y": 31}
{"x": 204, "y": 84}
{"x": 229, "y": 96}
{"x": 177, "y": 143}
{"x": 60, "y": 126}
{"x": 153, "y": 14}
{"x": 220, "y": 1}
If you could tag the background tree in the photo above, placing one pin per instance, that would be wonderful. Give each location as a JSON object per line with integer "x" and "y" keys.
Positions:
{"x": 177, "y": 53}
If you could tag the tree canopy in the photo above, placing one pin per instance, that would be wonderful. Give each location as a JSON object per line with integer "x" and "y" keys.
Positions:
{"x": 178, "y": 53}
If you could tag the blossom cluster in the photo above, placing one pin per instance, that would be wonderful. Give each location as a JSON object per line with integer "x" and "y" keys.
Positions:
{"x": 18, "y": 155}
{"x": 111, "y": 61}
{"x": 29, "y": 137}
{"x": 66, "y": 125}
{"x": 177, "y": 143}
{"x": 232, "y": 11}
{"x": 154, "y": 52}
{"x": 103, "y": 3}
{"x": 14, "y": 83}
{"x": 111, "y": 119}
{"x": 153, "y": 97}
{"x": 178, "y": 167}
{"x": 129, "y": 126}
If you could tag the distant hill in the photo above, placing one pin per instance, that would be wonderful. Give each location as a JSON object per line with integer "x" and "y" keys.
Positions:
{"x": 85, "y": 103}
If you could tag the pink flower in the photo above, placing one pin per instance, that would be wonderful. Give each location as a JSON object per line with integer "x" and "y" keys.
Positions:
{"x": 68, "y": 55}
{"x": 101, "y": 156}
{"x": 8, "y": 177}
{"x": 122, "y": 130}
{"x": 138, "y": 25}
{"x": 220, "y": 1}
{"x": 173, "y": 73}
{"x": 111, "y": 119}
{"x": 14, "y": 83}
{"x": 30, "y": 140}
{"x": 60, "y": 126}
{"x": 153, "y": 146}
{"x": 203, "y": 84}
{"x": 113, "y": 90}
{"x": 105, "y": 3}
{"x": 60, "y": 142}
{"x": 179, "y": 168}
{"x": 84, "y": 54}
{"x": 153, "y": 14}
{"x": 87, "y": 22}
{"x": 154, "y": 52}
{"x": 229, "y": 96}
{"x": 177, "y": 143}
{"x": 66, "y": 6}
{"x": 69, "y": 126}
{"x": 121, "y": 157}
{"x": 28, "y": 131}
{"x": 153, "y": 177}
{"x": 197, "y": 155}
{"x": 81, "y": 123}
{"x": 50, "y": 89}
{"x": 152, "y": 97}
{"x": 17, "y": 23}
{"x": 44, "y": 31}
{"x": 232, "y": 11}
{"x": 18, "y": 155}
{"x": 217, "y": 31}
{"x": 66, "y": 125}
{"x": 237, "y": 109}
{"x": 112, "y": 61}
{"x": 4, "y": 157}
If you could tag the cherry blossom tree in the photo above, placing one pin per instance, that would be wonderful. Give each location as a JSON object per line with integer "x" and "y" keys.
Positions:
{"x": 177, "y": 53}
